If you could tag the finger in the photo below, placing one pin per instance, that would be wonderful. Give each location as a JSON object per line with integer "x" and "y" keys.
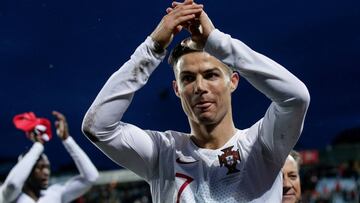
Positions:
{"x": 58, "y": 115}
{"x": 169, "y": 10}
{"x": 60, "y": 129}
{"x": 176, "y": 3}
{"x": 181, "y": 20}
{"x": 38, "y": 138}
{"x": 185, "y": 17}
{"x": 187, "y": 6}
{"x": 30, "y": 135}
{"x": 178, "y": 29}
{"x": 188, "y": 1}
{"x": 61, "y": 125}
{"x": 183, "y": 12}
{"x": 57, "y": 123}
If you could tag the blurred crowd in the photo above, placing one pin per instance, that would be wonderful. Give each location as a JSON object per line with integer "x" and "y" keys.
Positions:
{"x": 331, "y": 183}
{"x": 130, "y": 192}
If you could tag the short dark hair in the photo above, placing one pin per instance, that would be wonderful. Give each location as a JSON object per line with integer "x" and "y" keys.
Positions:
{"x": 179, "y": 50}
{"x": 297, "y": 158}
{"x": 183, "y": 48}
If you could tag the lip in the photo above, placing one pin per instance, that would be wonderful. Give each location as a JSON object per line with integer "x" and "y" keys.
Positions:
{"x": 45, "y": 180}
{"x": 203, "y": 104}
{"x": 288, "y": 196}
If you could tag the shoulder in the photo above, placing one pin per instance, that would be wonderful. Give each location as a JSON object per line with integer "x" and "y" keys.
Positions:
{"x": 24, "y": 198}
{"x": 55, "y": 188}
{"x": 250, "y": 135}
{"x": 170, "y": 137}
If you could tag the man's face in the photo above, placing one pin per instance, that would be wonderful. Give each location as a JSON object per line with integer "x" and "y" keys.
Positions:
{"x": 204, "y": 85}
{"x": 291, "y": 181}
{"x": 39, "y": 177}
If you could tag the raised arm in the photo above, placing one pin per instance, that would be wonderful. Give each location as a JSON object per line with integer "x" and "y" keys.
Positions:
{"x": 14, "y": 182}
{"x": 77, "y": 185}
{"x": 283, "y": 122}
{"x": 126, "y": 144}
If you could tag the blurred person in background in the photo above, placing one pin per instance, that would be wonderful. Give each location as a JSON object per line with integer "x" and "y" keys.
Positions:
{"x": 291, "y": 178}
{"x": 28, "y": 181}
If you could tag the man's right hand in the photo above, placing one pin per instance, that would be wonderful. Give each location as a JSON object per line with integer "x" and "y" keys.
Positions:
{"x": 173, "y": 22}
{"x": 199, "y": 28}
{"x": 35, "y": 137}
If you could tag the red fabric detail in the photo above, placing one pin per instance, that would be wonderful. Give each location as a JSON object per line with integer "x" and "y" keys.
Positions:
{"x": 28, "y": 121}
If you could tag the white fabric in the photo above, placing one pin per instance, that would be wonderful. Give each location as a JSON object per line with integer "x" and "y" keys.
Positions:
{"x": 56, "y": 193}
{"x": 14, "y": 182}
{"x": 263, "y": 147}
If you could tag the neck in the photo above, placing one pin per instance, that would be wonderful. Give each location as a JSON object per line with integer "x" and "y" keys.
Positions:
{"x": 213, "y": 136}
{"x": 31, "y": 192}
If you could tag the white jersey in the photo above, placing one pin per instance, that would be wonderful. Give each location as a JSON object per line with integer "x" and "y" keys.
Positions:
{"x": 14, "y": 182}
{"x": 246, "y": 169}
{"x": 56, "y": 193}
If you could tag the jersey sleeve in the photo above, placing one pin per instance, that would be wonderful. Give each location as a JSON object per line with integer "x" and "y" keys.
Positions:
{"x": 14, "y": 182}
{"x": 282, "y": 123}
{"x": 126, "y": 144}
{"x": 78, "y": 185}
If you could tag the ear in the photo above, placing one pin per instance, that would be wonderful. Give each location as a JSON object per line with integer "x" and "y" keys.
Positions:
{"x": 235, "y": 78}
{"x": 176, "y": 88}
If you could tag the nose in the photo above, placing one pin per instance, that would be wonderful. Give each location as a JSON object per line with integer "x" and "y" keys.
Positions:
{"x": 199, "y": 85}
{"x": 46, "y": 172}
{"x": 287, "y": 183}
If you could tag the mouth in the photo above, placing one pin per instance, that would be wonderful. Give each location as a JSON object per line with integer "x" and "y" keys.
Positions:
{"x": 203, "y": 105}
{"x": 288, "y": 196}
{"x": 45, "y": 180}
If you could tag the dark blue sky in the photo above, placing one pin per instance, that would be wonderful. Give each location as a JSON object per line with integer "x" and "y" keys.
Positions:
{"x": 58, "y": 54}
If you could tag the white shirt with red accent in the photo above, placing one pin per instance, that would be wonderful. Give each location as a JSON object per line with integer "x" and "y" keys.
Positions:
{"x": 246, "y": 169}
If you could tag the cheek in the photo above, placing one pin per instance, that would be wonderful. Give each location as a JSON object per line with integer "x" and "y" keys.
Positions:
{"x": 297, "y": 184}
{"x": 223, "y": 93}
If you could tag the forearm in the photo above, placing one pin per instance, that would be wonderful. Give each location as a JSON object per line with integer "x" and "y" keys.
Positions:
{"x": 266, "y": 75}
{"x": 282, "y": 124}
{"x": 86, "y": 168}
{"x": 20, "y": 172}
{"x": 104, "y": 115}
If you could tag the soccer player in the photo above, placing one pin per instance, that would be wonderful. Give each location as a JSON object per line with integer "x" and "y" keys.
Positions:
{"x": 291, "y": 178}
{"x": 28, "y": 181}
{"x": 215, "y": 161}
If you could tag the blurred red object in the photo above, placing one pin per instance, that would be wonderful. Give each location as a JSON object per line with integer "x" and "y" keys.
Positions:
{"x": 309, "y": 156}
{"x": 28, "y": 122}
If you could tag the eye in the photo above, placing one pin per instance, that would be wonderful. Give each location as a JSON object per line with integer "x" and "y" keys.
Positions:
{"x": 293, "y": 176}
{"x": 211, "y": 75}
{"x": 187, "y": 78}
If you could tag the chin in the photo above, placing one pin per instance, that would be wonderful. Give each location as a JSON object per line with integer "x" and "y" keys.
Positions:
{"x": 205, "y": 120}
{"x": 44, "y": 186}
{"x": 289, "y": 199}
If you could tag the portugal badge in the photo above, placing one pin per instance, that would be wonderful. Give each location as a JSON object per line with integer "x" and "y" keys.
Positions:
{"x": 229, "y": 159}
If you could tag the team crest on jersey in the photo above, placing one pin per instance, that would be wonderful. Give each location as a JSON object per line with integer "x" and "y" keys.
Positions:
{"x": 229, "y": 159}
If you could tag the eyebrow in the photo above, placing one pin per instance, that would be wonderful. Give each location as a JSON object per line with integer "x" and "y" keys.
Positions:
{"x": 186, "y": 72}
{"x": 206, "y": 71}
{"x": 212, "y": 70}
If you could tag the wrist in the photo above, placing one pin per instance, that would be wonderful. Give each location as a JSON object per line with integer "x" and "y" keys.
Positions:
{"x": 63, "y": 138}
{"x": 157, "y": 47}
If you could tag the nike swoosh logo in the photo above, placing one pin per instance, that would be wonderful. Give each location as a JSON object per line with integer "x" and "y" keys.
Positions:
{"x": 178, "y": 160}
